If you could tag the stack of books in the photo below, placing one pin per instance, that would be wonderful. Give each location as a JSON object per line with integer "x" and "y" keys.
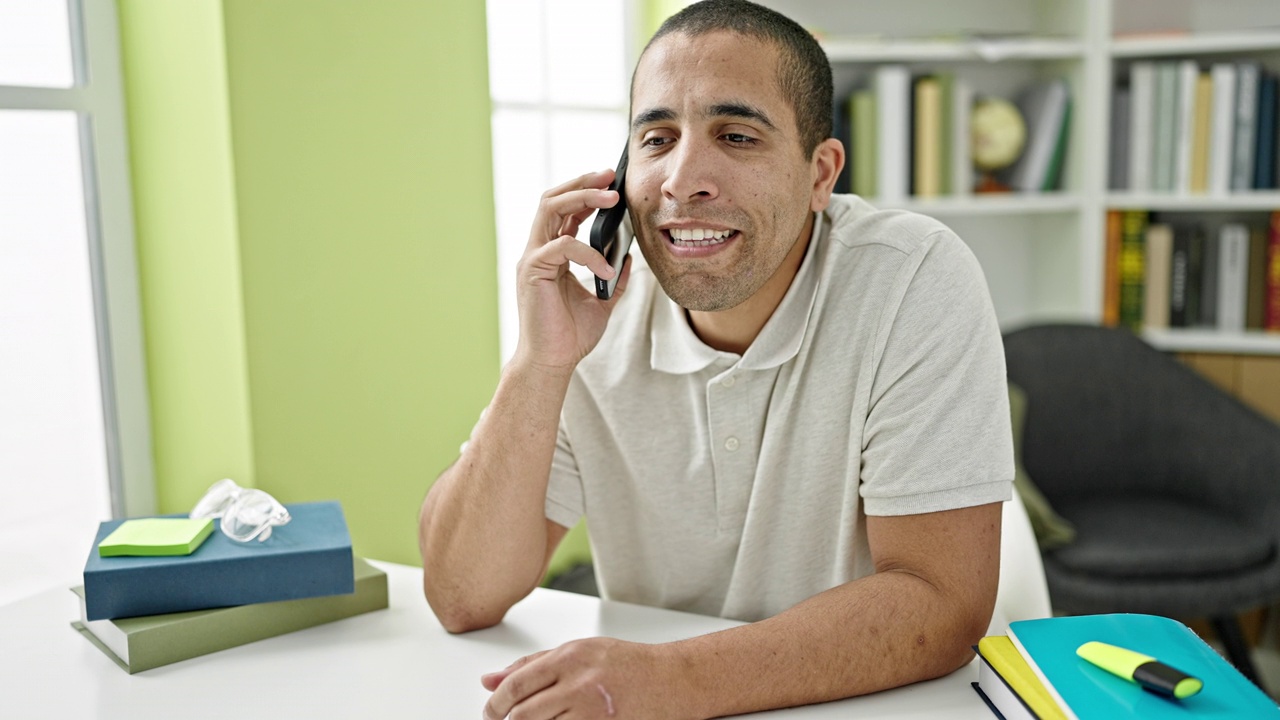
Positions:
{"x": 148, "y": 611}
{"x": 1034, "y": 672}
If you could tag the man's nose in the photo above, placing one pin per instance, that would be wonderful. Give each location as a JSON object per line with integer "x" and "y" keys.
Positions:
{"x": 691, "y": 173}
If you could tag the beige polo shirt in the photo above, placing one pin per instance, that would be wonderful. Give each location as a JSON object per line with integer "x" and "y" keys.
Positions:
{"x": 738, "y": 485}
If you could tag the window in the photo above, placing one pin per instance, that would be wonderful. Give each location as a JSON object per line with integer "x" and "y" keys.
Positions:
{"x": 74, "y": 439}
{"x": 559, "y": 72}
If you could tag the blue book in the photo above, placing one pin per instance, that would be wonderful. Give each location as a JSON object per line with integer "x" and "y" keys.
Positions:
{"x": 1264, "y": 163}
{"x": 1086, "y": 691}
{"x": 308, "y": 557}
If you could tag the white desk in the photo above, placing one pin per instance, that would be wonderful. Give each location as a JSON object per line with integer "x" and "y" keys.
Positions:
{"x": 393, "y": 663}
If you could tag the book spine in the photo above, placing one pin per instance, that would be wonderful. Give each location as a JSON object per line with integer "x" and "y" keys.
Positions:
{"x": 1264, "y": 159}
{"x": 946, "y": 131}
{"x": 864, "y": 143}
{"x": 893, "y": 101}
{"x": 1195, "y": 273}
{"x": 1200, "y": 134}
{"x": 1246, "y": 126}
{"x": 1256, "y": 284}
{"x": 961, "y": 141}
{"x": 1209, "y": 278}
{"x": 1273, "y": 274}
{"x": 927, "y": 148}
{"x": 1188, "y": 74}
{"x": 1142, "y": 81}
{"x": 1159, "y": 258}
{"x": 1118, "y": 156}
{"x": 1233, "y": 271}
{"x": 1131, "y": 268}
{"x": 1179, "y": 274}
{"x": 842, "y": 126}
{"x": 1223, "y": 127}
{"x": 1111, "y": 270}
{"x": 1165, "y": 151}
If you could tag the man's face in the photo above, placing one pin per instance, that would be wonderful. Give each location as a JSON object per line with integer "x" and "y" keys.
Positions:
{"x": 718, "y": 186}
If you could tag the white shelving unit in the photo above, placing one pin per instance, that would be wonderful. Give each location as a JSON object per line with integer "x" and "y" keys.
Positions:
{"x": 1043, "y": 253}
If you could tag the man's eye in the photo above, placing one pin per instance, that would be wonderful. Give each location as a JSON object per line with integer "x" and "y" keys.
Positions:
{"x": 739, "y": 138}
{"x": 656, "y": 141}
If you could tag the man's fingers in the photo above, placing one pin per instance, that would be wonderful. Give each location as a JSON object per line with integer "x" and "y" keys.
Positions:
{"x": 546, "y": 262}
{"x": 597, "y": 179}
{"x": 519, "y": 684}
{"x": 557, "y": 212}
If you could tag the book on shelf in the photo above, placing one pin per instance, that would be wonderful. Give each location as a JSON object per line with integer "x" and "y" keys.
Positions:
{"x": 142, "y": 643}
{"x": 1246, "y": 119}
{"x": 1046, "y": 109}
{"x": 1165, "y": 148}
{"x": 1256, "y": 280}
{"x": 1118, "y": 155}
{"x": 1233, "y": 276}
{"x": 1132, "y": 272}
{"x": 1111, "y": 269}
{"x": 926, "y": 148}
{"x": 1157, "y": 270}
{"x": 893, "y": 126}
{"x": 1080, "y": 690}
{"x": 961, "y": 137}
{"x": 1180, "y": 300}
{"x": 1188, "y": 74}
{"x": 1222, "y": 127}
{"x": 1272, "y": 320}
{"x": 1210, "y": 256}
{"x": 1142, "y": 92}
{"x": 842, "y": 130}
{"x": 865, "y": 143}
{"x": 1264, "y": 159}
{"x": 1201, "y": 128}
{"x": 308, "y": 557}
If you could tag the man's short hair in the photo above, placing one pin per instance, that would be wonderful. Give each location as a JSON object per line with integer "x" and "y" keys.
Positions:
{"x": 804, "y": 72}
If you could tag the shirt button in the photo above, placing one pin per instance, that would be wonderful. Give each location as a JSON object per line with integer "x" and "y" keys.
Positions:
{"x": 731, "y": 444}
{"x": 729, "y": 381}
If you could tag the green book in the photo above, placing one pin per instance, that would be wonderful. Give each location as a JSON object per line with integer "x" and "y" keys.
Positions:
{"x": 146, "y": 642}
{"x": 865, "y": 143}
{"x": 151, "y": 537}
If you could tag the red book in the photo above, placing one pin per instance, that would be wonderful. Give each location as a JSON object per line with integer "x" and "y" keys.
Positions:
{"x": 1272, "y": 304}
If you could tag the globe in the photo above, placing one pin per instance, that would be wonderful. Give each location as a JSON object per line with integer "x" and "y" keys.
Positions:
{"x": 998, "y": 134}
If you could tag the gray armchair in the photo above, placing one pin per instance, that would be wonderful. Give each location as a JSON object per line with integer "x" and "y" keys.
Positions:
{"x": 1173, "y": 486}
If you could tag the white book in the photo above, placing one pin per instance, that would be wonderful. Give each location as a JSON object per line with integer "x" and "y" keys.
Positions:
{"x": 1246, "y": 125}
{"x": 961, "y": 140}
{"x": 1142, "y": 95}
{"x": 1044, "y": 107}
{"x": 1233, "y": 276}
{"x": 1164, "y": 150}
{"x": 1222, "y": 127}
{"x": 893, "y": 104}
{"x": 1188, "y": 74}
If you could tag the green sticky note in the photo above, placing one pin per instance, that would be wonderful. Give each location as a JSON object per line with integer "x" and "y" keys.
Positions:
{"x": 156, "y": 536}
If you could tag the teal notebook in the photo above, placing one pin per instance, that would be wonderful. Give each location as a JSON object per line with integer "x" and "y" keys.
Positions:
{"x": 1089, "y": 692}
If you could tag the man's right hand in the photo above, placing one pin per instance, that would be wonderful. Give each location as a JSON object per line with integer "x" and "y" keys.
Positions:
{"x": 560, "y": 319}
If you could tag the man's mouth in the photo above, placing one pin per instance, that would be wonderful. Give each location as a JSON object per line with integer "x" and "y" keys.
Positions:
{"x": 698, "y": 237}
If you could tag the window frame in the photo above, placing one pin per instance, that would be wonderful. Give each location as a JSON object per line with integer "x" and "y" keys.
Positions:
{"x": 97, "y": 98}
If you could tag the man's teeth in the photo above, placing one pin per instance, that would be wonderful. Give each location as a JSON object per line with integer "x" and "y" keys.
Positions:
{"x": 697, "y": 237}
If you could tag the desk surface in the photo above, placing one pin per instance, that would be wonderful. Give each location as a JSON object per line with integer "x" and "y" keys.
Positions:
{"x": 393, "y": 663}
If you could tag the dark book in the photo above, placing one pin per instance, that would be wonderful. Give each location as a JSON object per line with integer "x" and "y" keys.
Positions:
{"x": 1209, "y": 279}
{"x": 1179, "y": 274}
{"x": 308, "y": 557}
{"x": 1264, "y": 163}
{"x": 842, "y": 126}
{"x": 1118, "y": 158}
{"x": 1132, "y": 268}
{"x": 1195, "y": 272}
{"x": 1256, "y": 285}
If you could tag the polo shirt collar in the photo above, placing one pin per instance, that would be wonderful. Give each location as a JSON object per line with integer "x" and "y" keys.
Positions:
{"x": 677, "y": 350}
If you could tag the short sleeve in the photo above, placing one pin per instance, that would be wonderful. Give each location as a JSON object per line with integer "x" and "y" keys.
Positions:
{"x": 564, "y": 504}
{"x": 937, "y": 434}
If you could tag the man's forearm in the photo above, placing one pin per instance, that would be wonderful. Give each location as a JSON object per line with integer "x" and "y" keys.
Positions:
{"x": 882, "y": 631}
{"x": 482, "y": 531}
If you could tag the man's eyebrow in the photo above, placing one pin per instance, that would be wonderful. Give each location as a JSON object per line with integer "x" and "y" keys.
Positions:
{"x": 741, "y": 110}
{"x": 726, "y": 109}
{"x": 652, "y": 116}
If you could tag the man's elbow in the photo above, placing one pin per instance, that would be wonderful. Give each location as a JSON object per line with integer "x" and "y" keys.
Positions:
{"x": 459, "y": 616}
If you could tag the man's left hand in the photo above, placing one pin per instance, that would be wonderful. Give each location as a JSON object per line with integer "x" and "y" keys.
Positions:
{"x": 593, "y": 678}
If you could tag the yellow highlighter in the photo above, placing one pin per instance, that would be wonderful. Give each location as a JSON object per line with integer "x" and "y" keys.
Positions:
{"x": 1144, "y": 670}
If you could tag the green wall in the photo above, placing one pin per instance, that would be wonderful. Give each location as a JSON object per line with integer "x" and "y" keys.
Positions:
{"x": 317, "y": 244}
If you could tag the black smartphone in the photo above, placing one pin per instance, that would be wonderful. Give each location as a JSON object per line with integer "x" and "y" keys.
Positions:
{"x": 604, "y": 232}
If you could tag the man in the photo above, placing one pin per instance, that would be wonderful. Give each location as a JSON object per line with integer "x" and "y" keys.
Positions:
{"x": 796, "y": 415}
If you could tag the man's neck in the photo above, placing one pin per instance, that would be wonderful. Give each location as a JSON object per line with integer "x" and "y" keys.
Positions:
{"x": 734, "y": 330}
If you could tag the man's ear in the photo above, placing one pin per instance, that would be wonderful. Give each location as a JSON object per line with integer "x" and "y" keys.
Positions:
{"x": 827, "y": 162}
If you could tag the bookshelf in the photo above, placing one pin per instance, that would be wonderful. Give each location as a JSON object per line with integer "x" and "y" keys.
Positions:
{"x": 1043, "y": 253}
